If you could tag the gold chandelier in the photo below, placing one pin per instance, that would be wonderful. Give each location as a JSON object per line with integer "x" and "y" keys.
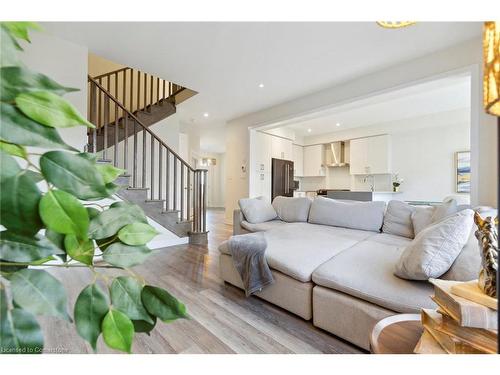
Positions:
{"x": 491, "y": 67}
{"x": 395, "y": 24}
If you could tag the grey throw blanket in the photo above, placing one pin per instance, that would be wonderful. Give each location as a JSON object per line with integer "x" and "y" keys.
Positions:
{"x": 248, "y": 253}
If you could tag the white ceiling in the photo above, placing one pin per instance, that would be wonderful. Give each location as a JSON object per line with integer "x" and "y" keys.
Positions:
{"x": 225, "y": 62}
{"x": 437, "y": 96}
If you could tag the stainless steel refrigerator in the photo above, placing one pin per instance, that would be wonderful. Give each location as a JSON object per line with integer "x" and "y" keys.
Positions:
{"x": 282, "y": 178}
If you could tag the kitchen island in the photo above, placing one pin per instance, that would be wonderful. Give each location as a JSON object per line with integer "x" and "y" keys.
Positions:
{"x": 364, "y": 196}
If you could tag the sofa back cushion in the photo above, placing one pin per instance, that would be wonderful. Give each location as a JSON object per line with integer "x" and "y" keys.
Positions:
{"x": 347, "y": 214}
{"x": 421, "y": 218}
{"x": 292, "y": 210}
{"x": 434, "y": 250}
{"x": 257, "y": 210}
{"x": 397, "y": 219}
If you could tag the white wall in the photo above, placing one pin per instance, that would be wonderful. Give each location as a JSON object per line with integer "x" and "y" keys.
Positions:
{"x": 465, "y": 57}
{"x": 66, "y": 63}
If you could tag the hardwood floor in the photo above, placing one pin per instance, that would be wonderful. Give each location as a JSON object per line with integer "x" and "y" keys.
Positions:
{"x": 222, "y": 319}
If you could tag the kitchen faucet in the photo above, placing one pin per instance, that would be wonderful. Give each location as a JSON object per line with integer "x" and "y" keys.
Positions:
{"x": 370, "y": 178}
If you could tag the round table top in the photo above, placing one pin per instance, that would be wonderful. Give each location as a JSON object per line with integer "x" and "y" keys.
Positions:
{"x": 397, "y": 334}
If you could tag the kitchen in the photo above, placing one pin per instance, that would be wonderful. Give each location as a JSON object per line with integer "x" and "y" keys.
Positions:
{"x": 357, "y": 169}
{"x": 381, "y": 148}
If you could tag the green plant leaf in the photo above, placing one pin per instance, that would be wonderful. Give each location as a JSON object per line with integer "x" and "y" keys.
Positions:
{"x": 93, "y": 212}
{"x": 110, "y": 221}
{"x": 104, "y": 243}
{"x": 19, "y": 129}
{"x": 9, "y": 49}
{"x": 143, "y": 326}
{"x": 34, "y": 176}
{"x": 19, "y": 29}
{"x": 50, "y": 110}
{"x": 63, "y": 213}
{"x": 118, "y": 331}
{"x": 15, "y": 80}
{"x": 80, "y": 250}
{"x": 19, "y": 330}
{"x": 13, "y": 149}
{"x": 19, "y": 201}
{"x": 108, "y": 172}
{"x": 126, "y": 297}
{"x": 39, "y": 293}
{"x": 8, "y": 166}
{"x": 18, "y": 248}
{"x": 137, "y": 234}
{"x": 122, "y": 255}
{"x": 91, "y": 307}
{"x": 73, "y": 174}
{"x": 162, "y": 304}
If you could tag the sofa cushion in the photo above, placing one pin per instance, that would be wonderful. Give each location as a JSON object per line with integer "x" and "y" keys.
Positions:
{"x": 292, "y": 210}
{"x": 435, "y": 249}
{"x": 421, "y": 218}
{"x": 257, "y": 210}
{"x": 447, "y": 208}
{"x": 366, "y": 271}
{"x": 397, "y": 219}
{"x": 261, "y": 227}
{"x": 468, "y": 263}
{"x": 297, "y": 249}
{"x": 348, "y": 214}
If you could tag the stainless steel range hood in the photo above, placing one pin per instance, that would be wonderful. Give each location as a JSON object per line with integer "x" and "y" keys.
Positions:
{"x": 335, "y": 154}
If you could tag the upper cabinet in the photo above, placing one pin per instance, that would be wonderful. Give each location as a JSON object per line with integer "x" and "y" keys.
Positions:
{"x": 371, "y": 155}
{"x": 281, "y": 148}
{"x": 314, "y": 161}
{"x": 298, "y": 160}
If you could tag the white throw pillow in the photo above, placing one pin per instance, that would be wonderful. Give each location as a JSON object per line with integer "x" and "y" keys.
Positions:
{"x": 292, "y": 210}
{"x": 397, "y": 219}
{"x": 257, "y": 210}
{"x": 347, "y": 214}
{"x": 434, "y": 250}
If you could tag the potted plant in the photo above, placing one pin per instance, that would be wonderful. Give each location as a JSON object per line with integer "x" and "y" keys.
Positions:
{"x": 396, "y": 183}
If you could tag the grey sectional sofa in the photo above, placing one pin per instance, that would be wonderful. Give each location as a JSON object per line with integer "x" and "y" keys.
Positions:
{"x": 341, "y": 278}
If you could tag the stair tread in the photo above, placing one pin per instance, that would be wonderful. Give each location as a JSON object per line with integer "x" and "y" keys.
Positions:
{"x": 137, "y": 188}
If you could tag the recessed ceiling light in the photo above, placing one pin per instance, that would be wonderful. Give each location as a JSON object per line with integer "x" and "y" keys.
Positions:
{"x": 205, "y": 114}
{"x": 338, "y": 124}
{"x": 261, "y": 85}
{"x": 309, "y": 130}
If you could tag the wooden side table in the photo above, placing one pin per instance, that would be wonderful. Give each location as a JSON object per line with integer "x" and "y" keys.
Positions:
{"x": 397, "y": 334}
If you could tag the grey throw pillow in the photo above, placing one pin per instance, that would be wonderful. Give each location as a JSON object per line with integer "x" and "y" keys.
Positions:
{"x": 434, "y": 250}
{"x": 468, "y": 264}
{"x": 292, "y": 210}
{"x": 257, "y": 210}
{"x": 421, "y": 218}
{"x": 397, "y": 219}
{"x": 347, "y": 214}
{"x": 445, "y": 209}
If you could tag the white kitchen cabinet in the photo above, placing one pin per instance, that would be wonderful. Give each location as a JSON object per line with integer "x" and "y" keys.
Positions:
{"x": 281, "y": 148}
{"x": 298, "y": 160}
{"x": 314, "y": 161}
{"x": 371, "y": 155}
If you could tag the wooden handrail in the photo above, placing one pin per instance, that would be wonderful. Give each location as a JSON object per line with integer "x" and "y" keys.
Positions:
{"x": 144, "y": 127}
{"x": 111, "y": 73}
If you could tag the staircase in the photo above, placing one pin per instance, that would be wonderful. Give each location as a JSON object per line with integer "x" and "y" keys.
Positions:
{"x": 169, "y": 190}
